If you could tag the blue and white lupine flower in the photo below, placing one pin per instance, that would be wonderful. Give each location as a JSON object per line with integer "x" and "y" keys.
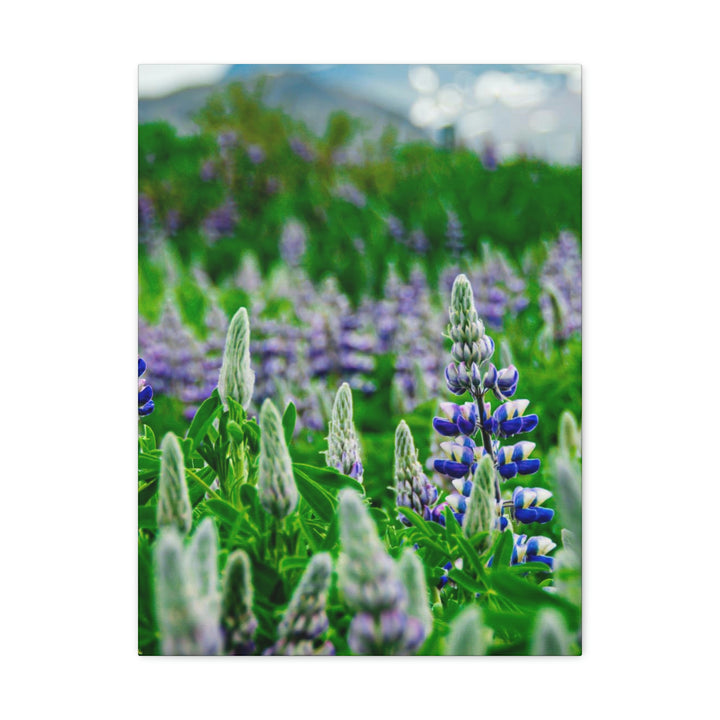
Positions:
{"x": 534, "y": 549}
{"x": 474, "y": 432}
{"x": 145, "y": 392}
{"x": 343, "y": 451}
{"x": 527, "y": 505}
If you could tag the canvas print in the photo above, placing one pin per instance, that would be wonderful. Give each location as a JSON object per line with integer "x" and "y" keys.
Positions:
{"x": 359, "y": 360}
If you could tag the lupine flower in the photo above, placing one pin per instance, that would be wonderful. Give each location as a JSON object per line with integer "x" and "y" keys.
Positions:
{"x": 454, "y": 234}
{"x": 527, "y": 502}
{"x": 414, "y": 490}
{"x": 343, "y": 451}
{"x": 412, "y": 574}
{"x": 276, "y": 483}
{"x": 238, "y": 620}
{"x": 347, "y": 191}
{"x": 173, "y": 508}
{"x": 561, "y": 280}
{"x": 534, "y": 549}
{"x": 418, "y": 242}
{"x": 302, "y": 149}
{"x": 292, "y": 243}
{"x": 305, "y": 619}
{"x": 467, "y": 633}
{"x": 371, "y": 585}
{"x": 256, "y": 154}
{"x": 145, "y": 392}
{"x": 475, "y": 470}
{"x": 146, "y": 213}
{"x": 186, "y": 599}
{"x": 222, "y": 221}
{"x": 395, "y": 228}
{"x": 236, "y": 376}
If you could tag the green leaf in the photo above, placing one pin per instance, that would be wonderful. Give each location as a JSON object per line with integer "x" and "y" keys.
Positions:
{"x": 146, "y": 492}
{"x": 223, "y": 511}
{"x": 502, "y": 552}
{"x": 522, "y": 568}
{"x": 203, "y": 419}
{"x": 236, "y": 432}
{"x": 293, "y": 563}
{"x": 465, "y": 581}
{"x": 329, "y": 478}
{"x": 252, "y": 435}
{"x": 319, "y": 499}
{"x": 288, "y": 421}
{"x": 147, "y": 517}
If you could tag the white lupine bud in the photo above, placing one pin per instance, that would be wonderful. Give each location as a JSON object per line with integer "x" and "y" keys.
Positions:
{"x": 412, "y": 574}
{"x": 550, "y": 636}
{"x": 173, "y": 507}
{"x": 276, "y": 483}
{"x": 467, "y": 633}
{"x": 480, "y": 515}
{"x": 305, "y": 619}
{"x": 238, "y": 619}
{"x": 569, "y": 436}
{"x": 343, "y": 451}
{"x": 186, "y": 600}
{"x": 237, "y": 379}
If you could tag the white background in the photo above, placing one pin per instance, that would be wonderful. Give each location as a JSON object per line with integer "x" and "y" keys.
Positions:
{"x": 69, "y": 284}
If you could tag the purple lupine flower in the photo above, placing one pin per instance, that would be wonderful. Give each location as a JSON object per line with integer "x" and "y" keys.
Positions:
{"x": 292, "y": 243}
{"x": 208, "y": 171}
{"x": 348, "y": 191}
{"x": 302, "y": 149}
{"x": 174, "y": 355}
{"x": 256, "y": 154}
{"x": 222, "y": 221}
{"x": 418, "y": 242}
{"x": 395, "y": 228}
{"x": 454, "y": 234}
{"x": 146, "y": 213}
{"x": 561, "y": 281}
{"x": 227, "y": 140}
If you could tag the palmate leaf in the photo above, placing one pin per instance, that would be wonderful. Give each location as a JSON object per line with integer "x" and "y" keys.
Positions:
{"x": 329, "y": 478}
{"x": 322, "y": 501}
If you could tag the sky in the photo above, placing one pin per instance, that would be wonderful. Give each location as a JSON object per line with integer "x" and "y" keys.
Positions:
{"x": 159, "y": 80}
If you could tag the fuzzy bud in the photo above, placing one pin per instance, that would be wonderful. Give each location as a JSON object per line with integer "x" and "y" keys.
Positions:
{"x": 173, "y": 507}
{"x": 481, "y": 514}
{"x": 276, "y": 483}
{"x": 343, "y": 451}
{"x": 305, "y": 619}
{"x": 569, "y": 440}
{"x": 467, "y": 633}
{"x": 371, "y": 585}
{"x": 186, "y": 603}
{"x": 412, "y": 573}
{"x": 550, "y": 636}
{"x": 238, "y": 620}
{"x": 237, "y": 380}
{"x": 414, "y": 490}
